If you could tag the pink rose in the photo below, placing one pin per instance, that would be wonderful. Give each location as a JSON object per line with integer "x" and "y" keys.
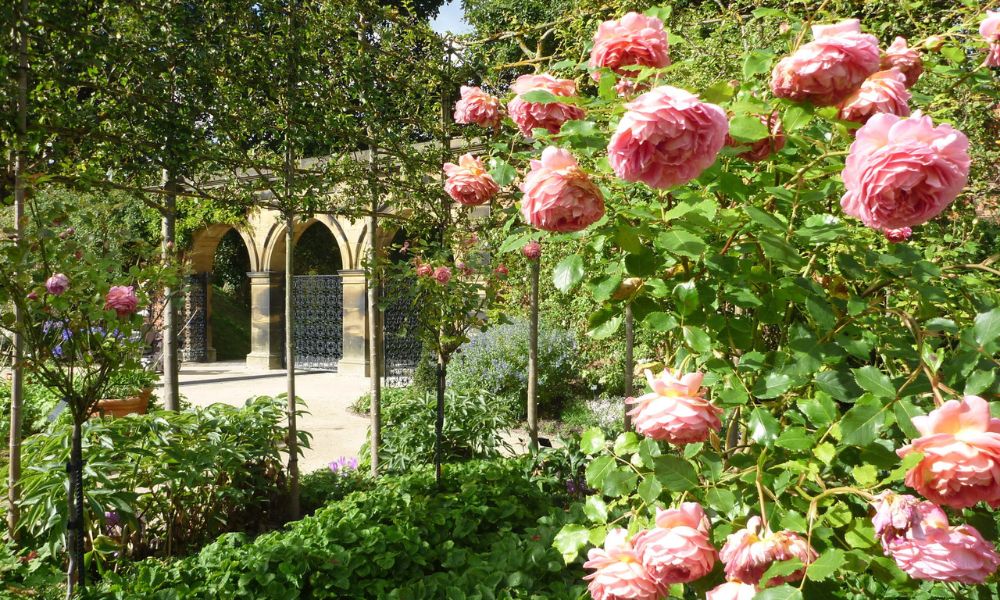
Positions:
{"x": 122, "y": 300}
{"x": 463, "y": 268}
{"x": 990, "y": 30}
{"x": 828, "y": 69}
{"x": 32, "y": 296}
{"x": 883, "y": 92}
{"x": 627, "y": 87}
{"x": 749, "y": 552}
{"x": 468, "y": 182}
{"x": 501, "y": 270}
{"x": 907, "y": 60}
{"x": 667, "y": 138}
{"x": 57, "y": 284}
{"x": 442, "y": 275}
{"x": 424, "y": 270}
{"x": 635, "y": 40}
{"x": 917, "y": 536}
{"x": 558, "y": 194}
{"x": 897, "y": 236}
{"x": 477, "y": 107}
{"x": 550, "y": 116}
{"x": 678, "y": 549}
{"x": 787, "y": 545}
{"x": 618, "y": 571}
{"x": 532, "y": 250}
{"x": 903, "y": 172}
{"x": 732, "y": 590}
{"x": 763, "y": 148}
{"x": 960, "y": 442}
{"x": 675, "y": 411}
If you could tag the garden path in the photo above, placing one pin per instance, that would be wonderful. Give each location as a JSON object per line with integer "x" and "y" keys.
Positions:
{"x": 335, "y": 429}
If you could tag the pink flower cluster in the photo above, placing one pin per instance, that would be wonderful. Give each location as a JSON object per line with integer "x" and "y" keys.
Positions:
{"x": 57, "y": 284}
{"x": 903, "y": 172}
{"x": 122, "y": 300}
{"x": 830, "y": 68}
{"x": 476, "y": 107}
{"x": 990, "y": 30}
{"x": 667, "y": 138}
{"x": 559, "y": 195}
{"x": 883, "y": 92}
{"x": 676, "y": 410}
{"x": 634, "y": 40}
{"x": 916, "y": 534}
{"x": 676, "y": 550}
{"x": 468, "y": 182}
{"x": 749, "y": 552}
{"x": 904, "y": 59}
{"x": 549, "y": 116}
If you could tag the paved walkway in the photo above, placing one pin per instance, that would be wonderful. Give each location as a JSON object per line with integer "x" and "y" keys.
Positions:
{"x": 335, "y": 429}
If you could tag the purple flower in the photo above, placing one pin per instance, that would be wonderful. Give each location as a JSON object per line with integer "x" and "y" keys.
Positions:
{"x": 344, "y": 464}
{"x": 57, "y": 284}
{"x": 57, "y": 351}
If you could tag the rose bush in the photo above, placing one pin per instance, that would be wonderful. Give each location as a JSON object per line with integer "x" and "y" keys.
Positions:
{"x": 824, "y": 330}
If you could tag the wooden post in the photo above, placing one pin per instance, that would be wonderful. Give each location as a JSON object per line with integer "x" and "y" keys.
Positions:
{"x": 374, "y": 322}
{"x": 533, "y": 271}
{"x": 168, "y": 220}
{"x": 293, "y": 440}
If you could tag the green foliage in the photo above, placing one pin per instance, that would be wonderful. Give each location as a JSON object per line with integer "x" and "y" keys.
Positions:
{"x": 38, "y": 403}
{"x": 485, "y": 531}
{"x": 496, "y": 362}
{"x": 324, "y": 486}
{"x": 474, "y": 424}
{"x": 24, "y": 575}
{"x": 159, "y": 484}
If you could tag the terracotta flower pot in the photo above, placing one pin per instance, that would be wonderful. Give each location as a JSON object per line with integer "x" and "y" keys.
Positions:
{"x": 124, "y": 406}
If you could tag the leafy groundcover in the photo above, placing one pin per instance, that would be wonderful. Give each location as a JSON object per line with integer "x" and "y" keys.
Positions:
{"x": 486, "y": 532}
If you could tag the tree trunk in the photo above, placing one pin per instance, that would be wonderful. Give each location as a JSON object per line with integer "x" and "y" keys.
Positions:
{"x": 374, "y": 325}
{"x": 439, "y": 422}
{"x": 171, "y": 389}
{"x": 293, "y": 440}
{"x": 629, "y": 364}
{"x": 75, "y": 574}
{"x": 17, "y": 371}
{"x": 533, "y": 269}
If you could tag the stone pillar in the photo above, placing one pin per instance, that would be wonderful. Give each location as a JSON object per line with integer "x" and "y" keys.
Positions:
{"x": 355, "y": 358}
{"x": 193, "y": 320}
{"x": 267, "y": 307}
{"x": 210, "y": 354}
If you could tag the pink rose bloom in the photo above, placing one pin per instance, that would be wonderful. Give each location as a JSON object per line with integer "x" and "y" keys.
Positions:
{"x": 558, "y": 194}
{"x": 903, "y": 58}
{"x": 787, "y": 545}
{"x": 635, "y": 40}
{"x": 424, "y": 270}
{"x": 532, "y": 250}
{"x": 678, "y": 549}
{"x": 667, "y": 138}
{"x": 57, "y": 284}
{"x": 122, "y": 300}
{"x": 442, "y": 275}
{"x": 551, "y": 116}
{"x": 917, "y": 536}
{"x": 32, "y": 296}
{"x": 960, "y": 442}
{"x": 883, "y": 92}
{"x": 732, "y": 590}
{"x": 830, "y": 68}
{"x": 763, "y": 148}
{"x": 478, "y": 108}
{"x": 897, "y": 236}
{"x": 501, "y": 270}
{"x": 990, "y": 30}
{"x": 618, "y": 571}
{"x": 747, "y": 553}
{"x": 903, "y": 172}
{"x": 676, "y": 410}
{"x": 468, "y": 182}
{"x": 627, "y": 87}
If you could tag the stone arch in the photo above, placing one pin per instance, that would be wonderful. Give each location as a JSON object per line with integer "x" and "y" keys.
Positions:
{"x": 274, "y": 242}
{"x": 205, "y": 241}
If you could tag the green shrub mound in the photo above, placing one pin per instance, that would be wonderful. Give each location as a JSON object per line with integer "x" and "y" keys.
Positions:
{"x": 478, "y": 535}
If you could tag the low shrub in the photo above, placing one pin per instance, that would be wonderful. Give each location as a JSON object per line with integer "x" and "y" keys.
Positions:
{"x": 163, "y": 483}
{"x": 38, "y": 403}
{"x": 24, "y": 575}
{"x": 328, "y": 485}
{"x": 496, "y": 361}
{"x": 485, "y": 532}
{"x": 473, "y": 428}
{"x": 606, "y": 413}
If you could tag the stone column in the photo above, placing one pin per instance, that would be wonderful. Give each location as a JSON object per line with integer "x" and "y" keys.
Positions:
{"x": 355, "y": 358}
{"x": 266, "y": 309}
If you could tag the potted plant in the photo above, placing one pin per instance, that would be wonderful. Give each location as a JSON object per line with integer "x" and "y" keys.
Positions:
{"x": 128, "y": 392}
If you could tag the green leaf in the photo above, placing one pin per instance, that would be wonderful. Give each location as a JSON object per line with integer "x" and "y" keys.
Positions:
{"x": 718, "y": 92}
{"x": 863, "y": 422}
{"x": 865, "y": 475}
{"x": 905, "y": 411}
{"x": 568, "y": 273}
{"x": 660, "y": 321}
{"x": 987, "y": 326}
{"x": 954, "y": 54}
{"x": 772, "y": 385}
{"x": 908, "y": 462}
{"x": 826, "y": 564}
{"x": 606, "y": 87}
{"x": 780, "y": 251}
{"x": 619, "y": 482}
{"x": 820, "y": 409}
{"x": 781, "y": 568}
{"x": 764, "y": 219}
{"x": 606, "y": 329}
{"x": 626, "y": 443}
{"x": 598, "y": 470}
{"x": 782, "y": 592}
{"x": 681, "y": 243}
{"x": 650, "y": 489}
{"x": 872, "y": 380}
{"x": 502, "y": 172}
{"x": 795, "y": 438}
{"x": 676, "y": 474}
{"x": 825, "y": 452}
{"x": 592, "y": 441}
{"x": 979, "y": 381}
{"x": 838, "y": 384}
{"x": 762, "y": 427}
{"x": 747, "y": 129}
{"x": 541, "y": 97}
{"x": 796, "y": 117}
{"x": 570, "y": 540}
{"x": 595, "y": 509}
{"x": 757, "y": 62}
{"x": 686, "y": 295}
{"x": 697, "y": 339}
